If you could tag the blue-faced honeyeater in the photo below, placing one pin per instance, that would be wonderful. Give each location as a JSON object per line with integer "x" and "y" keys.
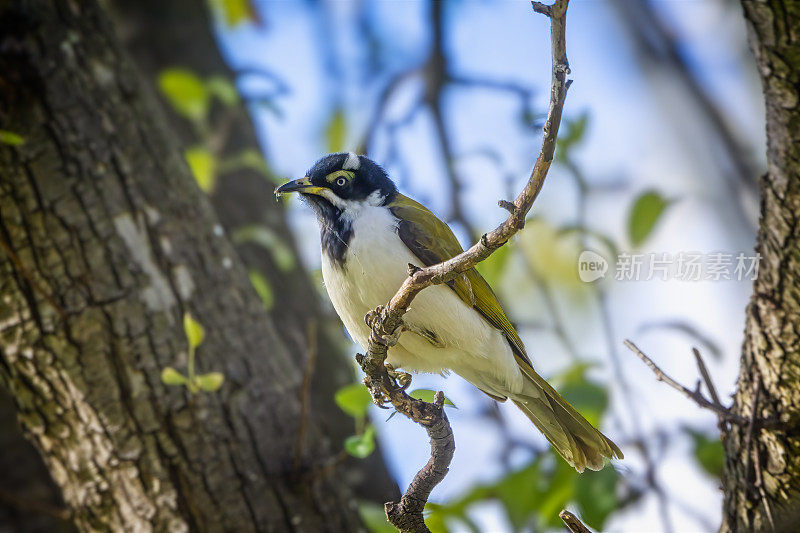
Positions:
{"x": 369, "y": 234}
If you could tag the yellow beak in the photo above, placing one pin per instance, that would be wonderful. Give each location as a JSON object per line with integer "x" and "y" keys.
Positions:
{"x": 303, "y": 185}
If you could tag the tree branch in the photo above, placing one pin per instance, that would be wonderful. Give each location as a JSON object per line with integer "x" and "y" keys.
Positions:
{"x": 386, "y": 321}
{"x": 573, "y": 523}
{"x": 722, "y": 412}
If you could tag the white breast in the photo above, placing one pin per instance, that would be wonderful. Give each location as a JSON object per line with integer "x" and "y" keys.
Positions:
{"x": 374, "y": 268}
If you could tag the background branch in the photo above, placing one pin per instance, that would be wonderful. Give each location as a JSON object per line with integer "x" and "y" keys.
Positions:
{"x": 724, "y": 413}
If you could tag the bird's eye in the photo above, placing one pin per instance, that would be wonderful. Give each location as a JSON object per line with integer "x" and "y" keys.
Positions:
{"x": 341, "y": 182}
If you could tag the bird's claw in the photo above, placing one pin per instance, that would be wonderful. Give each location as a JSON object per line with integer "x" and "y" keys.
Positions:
{"x": 374, "y": 319}
{"x": 403, "y": 378}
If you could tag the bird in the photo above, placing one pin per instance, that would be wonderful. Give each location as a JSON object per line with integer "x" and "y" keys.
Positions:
{"x": 369, "y": 234}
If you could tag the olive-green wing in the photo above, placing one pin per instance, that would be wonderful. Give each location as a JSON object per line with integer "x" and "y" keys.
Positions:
{"x": 432, "y": 241}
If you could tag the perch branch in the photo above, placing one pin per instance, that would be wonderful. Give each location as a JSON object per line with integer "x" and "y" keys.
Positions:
{"x": 386, "y": 321}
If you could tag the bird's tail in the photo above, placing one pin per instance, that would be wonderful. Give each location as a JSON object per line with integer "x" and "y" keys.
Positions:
{"x": 572, "y": 436}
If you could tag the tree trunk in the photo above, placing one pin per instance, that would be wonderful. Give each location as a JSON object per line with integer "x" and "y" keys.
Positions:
{"x": 106, "y": 243}
{"x": 762, "y": 472}
{"x": 161, "y": 35}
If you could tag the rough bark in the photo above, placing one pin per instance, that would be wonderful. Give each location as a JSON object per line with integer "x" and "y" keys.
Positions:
{"x": 762, "y": 472}
{"x": 106, "y": 243}
{"x": 162, "y": 34}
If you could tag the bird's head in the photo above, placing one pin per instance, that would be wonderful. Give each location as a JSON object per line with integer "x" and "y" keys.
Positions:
{"x": 342, "y": 182}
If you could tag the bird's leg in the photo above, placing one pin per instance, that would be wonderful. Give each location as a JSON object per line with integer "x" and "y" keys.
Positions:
{"x": 404, "y": 378}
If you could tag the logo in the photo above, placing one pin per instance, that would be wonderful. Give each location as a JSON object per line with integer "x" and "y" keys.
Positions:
{"x": 591, "y": 266}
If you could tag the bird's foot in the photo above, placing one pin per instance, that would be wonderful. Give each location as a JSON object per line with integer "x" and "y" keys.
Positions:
{"x": 403, "y": 378}
{"x": 374, "y": 319}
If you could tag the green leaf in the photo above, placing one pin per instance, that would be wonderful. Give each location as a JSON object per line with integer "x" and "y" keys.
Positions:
{"x": 353, "y": 399}
{"x": 518, "y": 493}
{"x": 427, "y": 395}
{"x": 11, "y": 138}
{"x": 596, "y": 495}
{"x": 170, "y": 376}
{"x": 589, "y": 397}
{"x": 234, "y": 12}
{"x": 374, "y": 518}
{"x": 210, "y": 382}
{"x": 186, "y": 93}
{"x": 336, "y": 131}
{"x": 573, "y": 133}
{"x": 709, "y": 453}
{"x": 194, "y": 331}
{"x": 262, "y": 287}
{"x": 282, "y": 254}
{"x": 493, "y": 267}
{"x": 222, "y": 88}
{"x": 361, "y": 445}
{"x": 249, "y": 158}
{"x": 203, "y": 163}
{"x": 644, "y": 215}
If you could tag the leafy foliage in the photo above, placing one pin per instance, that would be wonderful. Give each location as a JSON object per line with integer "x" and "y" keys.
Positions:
{"x": 493, "y": 267}
{"x": 427, "y": 395}
{"x": 193, "y": 330}
{"x": 203, "y": 165}
{"x": 374, "y": 518}
{"x": 11, "y": 138}
{"x": 644, "y": 215}
{"x": 262, "y": 287}
{"x": 186, "y": 93}
{"x": 708, "y": 452}
{"x": 361, "y": 445}
{"x": 573, "y": 132}
{"x": 261, "y": 235}
{"x": 589, "y": 397}
{"x": 234, "y": 12}
{"x": 336, "y": 131}
{"x": 221, "y": 88}
{"x": 353, "y": 399}
{"x": 532, "y": 496}
{"x": 209, "y": 382}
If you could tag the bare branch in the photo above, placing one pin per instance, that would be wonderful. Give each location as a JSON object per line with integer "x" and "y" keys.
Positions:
{"x": 573, "y": 523}
{"x": 386, "y": 322}
{"x": 724, "y": 413}
{"x": 701, "y": 366}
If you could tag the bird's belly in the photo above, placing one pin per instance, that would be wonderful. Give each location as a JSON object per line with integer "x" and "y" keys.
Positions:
{"x": 445, "y": 333}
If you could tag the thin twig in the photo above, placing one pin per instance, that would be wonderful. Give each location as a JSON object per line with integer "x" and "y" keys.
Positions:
{"x": 701, "y": 366}
{"x": 386, "y": 321}
{"x": 695, "y": 395}
{"x": 573, "y": 523}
